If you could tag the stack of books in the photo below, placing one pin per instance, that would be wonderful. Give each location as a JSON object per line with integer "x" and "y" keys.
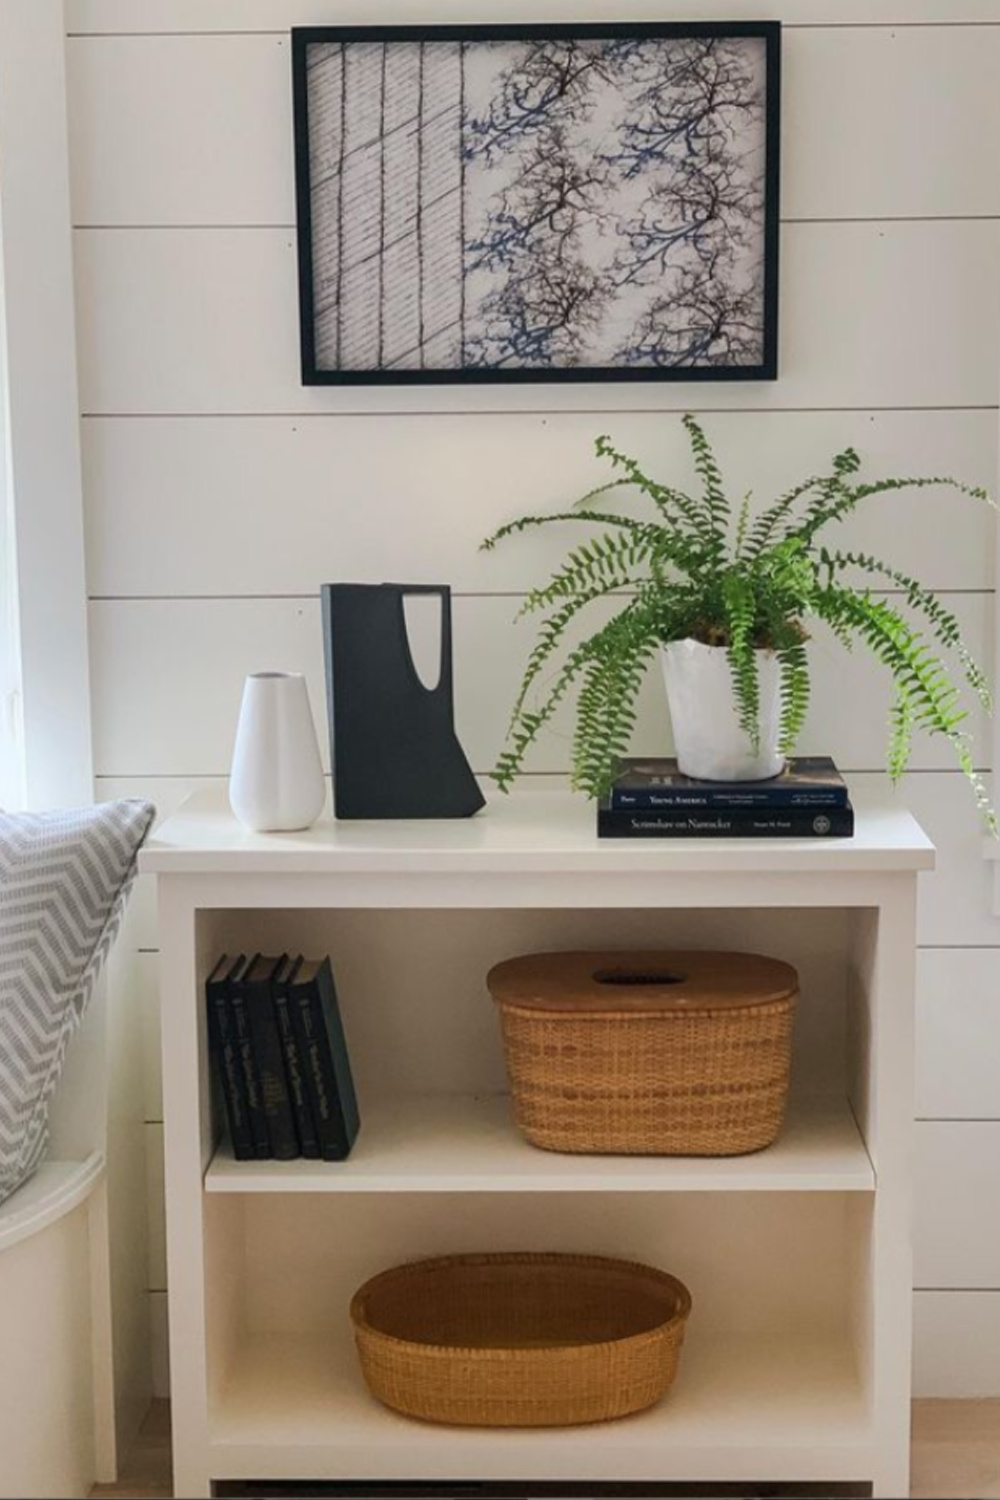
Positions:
{"x": 279, "y": 1051}
{"x": 652, "y": 799}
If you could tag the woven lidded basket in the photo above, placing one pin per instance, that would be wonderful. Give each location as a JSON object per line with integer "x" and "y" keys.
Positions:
{"x": 520, "y": 1340}
{"x": 658, "y": 1053}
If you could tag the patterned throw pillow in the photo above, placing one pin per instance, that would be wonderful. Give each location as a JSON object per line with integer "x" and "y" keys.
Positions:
{"x": 64, "y": 880}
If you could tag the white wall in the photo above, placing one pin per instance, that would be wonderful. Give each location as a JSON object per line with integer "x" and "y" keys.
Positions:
{"x": 220, "y": 493}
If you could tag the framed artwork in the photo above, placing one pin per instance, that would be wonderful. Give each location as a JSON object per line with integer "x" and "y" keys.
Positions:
{"x": 537, "y": 203}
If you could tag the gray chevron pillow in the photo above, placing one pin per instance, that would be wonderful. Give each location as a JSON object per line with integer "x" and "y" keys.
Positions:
{"x": 64, "y": 880}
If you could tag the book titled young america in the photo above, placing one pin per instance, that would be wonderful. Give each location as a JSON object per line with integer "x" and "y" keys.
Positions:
{"x": 808, "y": 781}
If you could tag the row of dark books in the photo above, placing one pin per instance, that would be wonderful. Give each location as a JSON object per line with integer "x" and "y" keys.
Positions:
{"x": 654, "y": 799}
{"x": 277, "y": 1043}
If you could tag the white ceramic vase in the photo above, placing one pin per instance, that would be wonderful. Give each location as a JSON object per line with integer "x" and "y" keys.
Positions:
{"x": 710, "y": 742}
{"x": 276, "y": 782}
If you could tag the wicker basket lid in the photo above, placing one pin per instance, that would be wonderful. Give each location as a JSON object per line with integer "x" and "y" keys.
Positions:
{"x": 654, "y": 982}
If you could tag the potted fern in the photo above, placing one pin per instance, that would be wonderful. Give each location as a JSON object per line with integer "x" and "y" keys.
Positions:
{"x": 724, "y": 600}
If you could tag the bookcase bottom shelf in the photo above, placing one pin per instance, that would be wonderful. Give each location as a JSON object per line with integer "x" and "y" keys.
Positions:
{"x": 781, "y": 1407}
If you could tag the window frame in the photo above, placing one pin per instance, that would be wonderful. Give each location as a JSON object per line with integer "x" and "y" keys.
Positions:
{"x": 43, "y": 533}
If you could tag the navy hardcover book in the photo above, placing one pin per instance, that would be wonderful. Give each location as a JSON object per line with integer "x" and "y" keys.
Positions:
{"x": 719, "y": 823}
{"x": 295, "y": 1073}
{"x": 808, "y": 781}
{"x": 313, "y": 1000}
{"x": 256, "y": 986}
{"x": 224, "y": 1049}
{"x": 248, "y": 1065}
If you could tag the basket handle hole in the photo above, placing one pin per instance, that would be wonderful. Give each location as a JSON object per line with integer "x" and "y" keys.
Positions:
{"x": 638, "y": 976}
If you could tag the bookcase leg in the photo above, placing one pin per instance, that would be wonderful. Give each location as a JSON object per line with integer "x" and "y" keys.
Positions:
{"x": 191, "y": 1481}
{"x": 188, "y": 1146}
{"x": 892, "y": 1482}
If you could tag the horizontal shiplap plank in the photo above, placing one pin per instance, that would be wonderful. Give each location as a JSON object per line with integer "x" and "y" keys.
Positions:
{"x": 202, "y": 321}
{"x": 248, "y": 15}
{"x": 924, "y": 156}
{"x": 958, "y": 1034}
{"x": 182, "y": 130}
{"x": 957, "y": 1205}
{"x": 167, "y": 677}
{"x": 413, "y": 497}
{"x": 956, "y": 1349}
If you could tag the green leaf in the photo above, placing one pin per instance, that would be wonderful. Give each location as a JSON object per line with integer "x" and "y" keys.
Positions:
{"x": 946, "y": 627}
{"x": 794, "y": 664}
{"x": 740, "y": 620}
{"x": 715, "y": 504}
{"x": 672, "y": 504}
{"x": 841, "y": 500}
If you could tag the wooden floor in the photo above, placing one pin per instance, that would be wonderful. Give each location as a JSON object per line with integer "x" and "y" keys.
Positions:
{"x": 956, "y": 1450}
{"x": 956, "y": 1454}
{"x": 145, "y": 1474}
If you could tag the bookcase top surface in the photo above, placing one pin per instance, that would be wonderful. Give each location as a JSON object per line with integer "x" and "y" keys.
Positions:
{"x": 532, "y": 831}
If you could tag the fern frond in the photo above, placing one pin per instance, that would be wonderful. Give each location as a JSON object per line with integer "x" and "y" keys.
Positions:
{"x": 613, "y": 662}
{"x": 903, "y": 650}
{"x": 606, "y": 706}
{"x": 794, "y": 663}
{"x": 529, "y": 523}
{"x": 742, "y": 523}
{"x": 842, "y": 464}
{"x": 716, "y": 505}
{"x": 764, "y": 526}
{"x": 528, "y": 724}
{"x": 614, "y": 560}
{"x": 946, "y": 627}
{"x": 672, "y": 504}
{"x": 551, "y": 634}
{"x": 844, "y": 499}
{"x": 740, "y": 620}
{"x": 900, "y": 734}
{"x": 586, "y": 501}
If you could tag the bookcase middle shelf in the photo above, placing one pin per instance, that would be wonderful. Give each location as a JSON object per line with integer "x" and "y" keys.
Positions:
{"x": 469, "y": 1143}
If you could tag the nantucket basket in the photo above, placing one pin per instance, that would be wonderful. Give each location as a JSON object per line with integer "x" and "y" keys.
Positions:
{"x": 520, "y": 1340}
{"x": 672, "y": 1054}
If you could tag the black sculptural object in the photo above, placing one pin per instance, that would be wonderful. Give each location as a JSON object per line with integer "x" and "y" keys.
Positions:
{"x": 395, "y": 751}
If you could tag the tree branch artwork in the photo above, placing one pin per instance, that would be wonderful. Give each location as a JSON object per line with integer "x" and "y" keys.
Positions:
{"x": 542, "y": 204}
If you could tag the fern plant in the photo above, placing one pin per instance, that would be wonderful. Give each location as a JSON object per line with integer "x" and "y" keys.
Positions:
{"x": 694, "y": 567}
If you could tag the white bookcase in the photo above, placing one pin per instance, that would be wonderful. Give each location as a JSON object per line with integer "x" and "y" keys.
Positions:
{"x": 797, "y": 1361}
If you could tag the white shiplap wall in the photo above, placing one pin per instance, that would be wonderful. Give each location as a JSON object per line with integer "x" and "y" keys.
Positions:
{"x": 220, "y": 493}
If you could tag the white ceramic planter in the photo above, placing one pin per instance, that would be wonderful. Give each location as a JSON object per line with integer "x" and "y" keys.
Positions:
{"x": 710, "y": 743}
{"x": 276, "y": 783}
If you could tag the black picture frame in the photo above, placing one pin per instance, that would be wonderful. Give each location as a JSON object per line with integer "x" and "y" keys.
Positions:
{"x": 313, "y": 374}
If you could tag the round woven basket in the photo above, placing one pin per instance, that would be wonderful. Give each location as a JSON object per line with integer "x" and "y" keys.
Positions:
{"x": 520, "y": 1340}
{"x": 661, "y": 1053}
